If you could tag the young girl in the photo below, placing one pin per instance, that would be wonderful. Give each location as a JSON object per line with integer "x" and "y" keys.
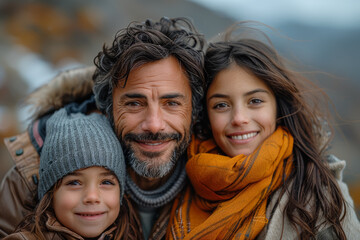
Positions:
{"x": 82, "y": 180}
{"x": 263, "y": 173}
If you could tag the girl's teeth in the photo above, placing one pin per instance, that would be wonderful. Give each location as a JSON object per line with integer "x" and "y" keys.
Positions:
{"x": 244, "y": 136}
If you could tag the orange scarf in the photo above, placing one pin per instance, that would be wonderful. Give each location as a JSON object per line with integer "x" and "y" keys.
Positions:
{"x": 231, "y": 193}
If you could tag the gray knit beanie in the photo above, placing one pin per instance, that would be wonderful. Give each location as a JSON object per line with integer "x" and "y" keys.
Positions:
{"x": 74, "y": 141}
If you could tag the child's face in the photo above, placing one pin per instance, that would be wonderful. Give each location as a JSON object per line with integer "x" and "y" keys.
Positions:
{"x": 241, "y": 110}
{"x": 88, "y": 201}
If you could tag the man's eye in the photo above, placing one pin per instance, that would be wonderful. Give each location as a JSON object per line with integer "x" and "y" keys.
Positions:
{"x": 173, "y": 103}
{"x": 133, "y": 104}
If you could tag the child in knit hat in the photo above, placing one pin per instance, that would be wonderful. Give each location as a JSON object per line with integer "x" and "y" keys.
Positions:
{"x": 82, "y": 181}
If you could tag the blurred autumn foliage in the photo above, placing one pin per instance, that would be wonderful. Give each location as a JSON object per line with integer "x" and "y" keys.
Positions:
{"x": 56, "y": 34}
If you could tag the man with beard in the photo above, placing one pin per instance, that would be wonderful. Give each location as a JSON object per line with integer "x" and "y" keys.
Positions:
{"x": 149, "y": 83}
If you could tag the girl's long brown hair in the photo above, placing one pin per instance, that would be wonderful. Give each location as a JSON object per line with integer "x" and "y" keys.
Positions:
{"x": 127, "y": 223}
{"x": 311, "y": 183}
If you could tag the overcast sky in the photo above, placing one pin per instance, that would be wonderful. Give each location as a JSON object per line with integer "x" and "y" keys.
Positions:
{"x": 337, "y": 13}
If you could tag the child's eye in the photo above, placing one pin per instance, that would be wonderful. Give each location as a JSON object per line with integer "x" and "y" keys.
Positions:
{"x": 73, "y": 183}
{"x": 108, "y": 182}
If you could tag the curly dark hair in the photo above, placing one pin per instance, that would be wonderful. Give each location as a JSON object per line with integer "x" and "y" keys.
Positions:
{"x": 146, "y": 42}
{"x": 300, "y": 111}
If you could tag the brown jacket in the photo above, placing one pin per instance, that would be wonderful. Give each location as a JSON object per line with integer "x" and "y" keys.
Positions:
{"x": 18, "y": 189}
{"x": 56, "y": 231}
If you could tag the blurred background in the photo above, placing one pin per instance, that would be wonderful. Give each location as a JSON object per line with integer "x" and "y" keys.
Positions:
{"x": 38, "y": 39}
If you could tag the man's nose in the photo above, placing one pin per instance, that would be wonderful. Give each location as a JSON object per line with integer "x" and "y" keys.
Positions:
{"x": 91, "y": 195}
{"x": 153, "y": 120}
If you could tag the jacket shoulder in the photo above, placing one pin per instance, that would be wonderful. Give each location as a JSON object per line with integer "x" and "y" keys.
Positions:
{"x": 25, "y": 156}
{"x": 25, "y": 235}
{"x": 336, "y": 166}
{"x": 21, "y": 236}
{"x": 18, "y": 187}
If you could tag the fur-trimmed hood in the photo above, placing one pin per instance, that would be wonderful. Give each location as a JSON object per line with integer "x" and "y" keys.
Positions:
{"x": 69, "y": 86}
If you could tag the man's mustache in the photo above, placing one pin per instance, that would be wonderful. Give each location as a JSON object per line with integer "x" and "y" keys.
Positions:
{"x": 152, "y": 137}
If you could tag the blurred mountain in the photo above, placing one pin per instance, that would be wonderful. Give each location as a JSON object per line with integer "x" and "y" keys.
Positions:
{"x": 336, "y": 53}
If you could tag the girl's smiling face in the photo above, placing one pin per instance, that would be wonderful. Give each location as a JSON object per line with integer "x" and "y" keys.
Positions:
{"x": 88, "y": 201}
{"x": 241, "y": 109}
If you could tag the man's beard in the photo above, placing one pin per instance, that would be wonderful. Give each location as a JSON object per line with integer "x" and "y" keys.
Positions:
{"x": 153, "y": 169}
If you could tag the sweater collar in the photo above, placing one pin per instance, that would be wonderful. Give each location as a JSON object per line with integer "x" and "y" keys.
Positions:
{"x": 164, "y": 194}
